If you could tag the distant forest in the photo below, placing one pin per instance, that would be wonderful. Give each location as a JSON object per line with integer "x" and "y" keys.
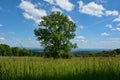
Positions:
{"x": 6, "y": 50}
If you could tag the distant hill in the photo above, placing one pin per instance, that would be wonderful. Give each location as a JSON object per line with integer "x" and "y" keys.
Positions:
{"x": 73, "y": 50}
{"x": 35, "y": 49}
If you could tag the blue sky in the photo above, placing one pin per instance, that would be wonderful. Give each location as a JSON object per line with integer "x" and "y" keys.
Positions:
{"x": 98, "y": 21}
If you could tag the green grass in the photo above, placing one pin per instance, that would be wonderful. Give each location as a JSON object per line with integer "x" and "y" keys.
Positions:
{"x": 35, "y": 68}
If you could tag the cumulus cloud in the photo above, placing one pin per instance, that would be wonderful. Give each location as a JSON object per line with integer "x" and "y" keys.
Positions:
{"x": 91, "y": 9}
{"x": 54, "y": 9}
{"x": 112, "y": 13}
{"x": 95, "y": 9}
{"x": 81, "y": 38}
{"x": 63, "y": 4}
{"x": 70, "y": 18}
{"x": 116, "y": 29}
{"x": 118, "y": 25}
{"x": 31, "y": 11}
{"x": 81, "y": 4}
{"x": 109, "y": 26}
{"x": 2, "y": 38}
{"x": 105, "y": 34}
{"x": 49, "y": 1}
{"x": 117, "y": 19}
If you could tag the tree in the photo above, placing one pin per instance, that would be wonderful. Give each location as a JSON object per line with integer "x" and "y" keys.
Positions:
{"x": 117, "y": 51}
{"x": 5, "y": 50}
{"x": 24, "y": 52}
{"x": 15, "y": 51}
{"x": 55, "y": 32}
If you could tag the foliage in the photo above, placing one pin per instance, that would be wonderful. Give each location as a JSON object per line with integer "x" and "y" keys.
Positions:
{"x": 108, "y": 53}
{"x": 33, "y": 68}
{"x": 82, "y": 53}
{"x": 15, "y": 51}
{"x": 55, "y": 33}
{"x": 6, "y": 50}
{"x": 114, "y": 52}
{"x": 117, "y": 51}
{"x": 24, "y": 52}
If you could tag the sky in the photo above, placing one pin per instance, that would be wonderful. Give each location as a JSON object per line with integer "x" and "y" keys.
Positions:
{"x": 98, "y": 21}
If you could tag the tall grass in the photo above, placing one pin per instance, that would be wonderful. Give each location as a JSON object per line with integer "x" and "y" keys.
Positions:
{"x": 34, "y": 68}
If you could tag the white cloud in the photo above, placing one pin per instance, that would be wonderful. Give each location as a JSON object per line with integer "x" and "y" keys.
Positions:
{"x": 117, "y": 19}
{"x": 112, "y": 13}
{"x": 81, "y": 4}
{"x": 2, "y": 38}
{"x": 91, "y": 9}
{"x": 64, "y": 4}
{"x": 1, "y": 25}
{"x": 50, "y": 1}
{"x": 54, "y": 9}
{"x": 118, "y": 25}
{"x": 81, "y": 26}
{"x": 109, "y": 26}
{"x": 31, "y": 11}
{"x": 95, "y": 9}
{"x": 118, "y": 28}
{"x": 27, "y": 16}
{"x": 114, "y": 29}
{"x": 105, "y": 34}
{"x": 80, "y": 37}
{"x": 83, "y": 40}
{"x": 70, "y": 18}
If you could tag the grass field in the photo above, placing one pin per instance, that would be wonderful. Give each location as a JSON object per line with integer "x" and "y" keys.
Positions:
{"x": 35, "y": 68}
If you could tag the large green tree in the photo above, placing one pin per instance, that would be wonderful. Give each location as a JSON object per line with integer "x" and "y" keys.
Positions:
{"x": 55, "y": 32}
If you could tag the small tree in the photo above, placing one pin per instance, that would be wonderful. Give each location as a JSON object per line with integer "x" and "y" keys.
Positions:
{"x": 55, "y": 33}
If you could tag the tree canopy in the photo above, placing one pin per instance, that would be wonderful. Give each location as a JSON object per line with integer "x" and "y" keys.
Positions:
{"x": 6, "y": 50}
{"x": 55, "y": 32}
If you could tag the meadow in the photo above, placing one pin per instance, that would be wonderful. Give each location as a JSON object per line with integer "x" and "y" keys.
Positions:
{"x": 81, "y": 68}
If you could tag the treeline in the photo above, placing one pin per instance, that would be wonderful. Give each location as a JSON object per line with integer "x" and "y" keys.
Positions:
{"x": 114, "y": 52}
{"x": 6, "y": 50}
